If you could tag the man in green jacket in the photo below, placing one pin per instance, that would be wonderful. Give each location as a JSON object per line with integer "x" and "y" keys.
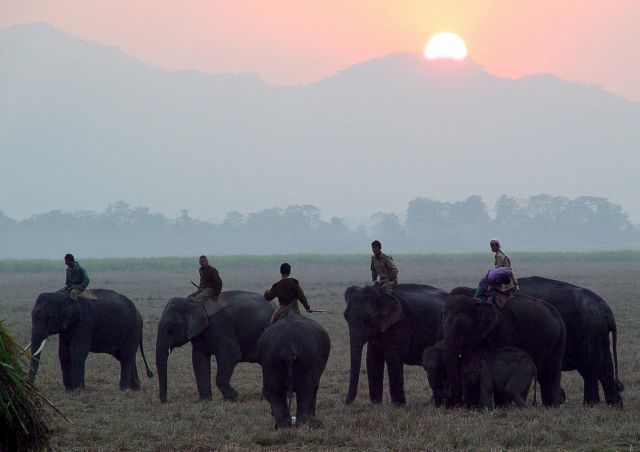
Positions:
{"x": 384, "y": 272}
{"x": 77, "y": 279}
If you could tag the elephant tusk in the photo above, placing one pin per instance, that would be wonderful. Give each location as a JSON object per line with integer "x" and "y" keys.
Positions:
{"x": 170, "y": 350}
{"x": 40, "y": 348}
{"x": 26, "y": 347}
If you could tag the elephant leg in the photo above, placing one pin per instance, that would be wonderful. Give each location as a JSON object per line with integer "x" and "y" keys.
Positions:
{"x": 589, "y": 369}
{"x": 64, "y": 356}
{"x": 304, "y": 399}
{"x": 79, "y": 350}
{"x": 276, "y": 394}
{"x": 125, "y": 372}
{"x": 607, "y": 379}
{"x": 519, "y": 401}
{"x": 226, "y": 360}
{"x": 550, "y": 390}
{"x": 395, "y": 371}
{"x": 513, "y": 390}
{"x": 501, "y": 399}
{"x": 135, "y": 379}
{"x": 591, "y": 388}
{"x": 280, "y": 410}
{"x": 201, "y": 361}
{"x": 314, "y": 398}
{"x": 375, "y": 372}
{"x": 487, "y": 390}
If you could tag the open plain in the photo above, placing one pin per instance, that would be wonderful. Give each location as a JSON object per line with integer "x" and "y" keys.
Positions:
{"x": 104, "y": 418}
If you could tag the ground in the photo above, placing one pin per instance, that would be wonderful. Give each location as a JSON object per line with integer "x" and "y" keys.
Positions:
{"x": 104, "y": 418}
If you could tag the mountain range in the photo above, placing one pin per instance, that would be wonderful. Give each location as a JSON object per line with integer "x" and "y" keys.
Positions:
{"x": 83, "y": 125}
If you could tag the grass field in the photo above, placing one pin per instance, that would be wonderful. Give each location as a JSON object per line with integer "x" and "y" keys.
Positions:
{"x": 103, "y": 418}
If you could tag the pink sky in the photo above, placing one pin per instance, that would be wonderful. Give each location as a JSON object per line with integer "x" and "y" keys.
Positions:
{"x": 301, "y": 41}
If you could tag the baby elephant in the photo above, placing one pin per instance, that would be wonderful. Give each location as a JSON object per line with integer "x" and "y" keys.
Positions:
{"x": 433, "y": 364}
{"x": 506, "y": 373}
{"x": 293, "y": 352}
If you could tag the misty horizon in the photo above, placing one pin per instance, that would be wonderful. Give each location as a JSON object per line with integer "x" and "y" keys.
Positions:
{"x": 539, "y": 223}
{"x": 369, "y": 138}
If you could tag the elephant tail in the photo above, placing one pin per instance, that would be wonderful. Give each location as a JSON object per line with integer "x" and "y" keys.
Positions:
{"x": 290, "y": 358}
{"x": 535, "y": 387}
{"x": 144, "y": 358}
{"x": 614, "y": 340}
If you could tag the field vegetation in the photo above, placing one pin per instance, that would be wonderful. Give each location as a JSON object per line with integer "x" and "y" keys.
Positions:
{"x": 103, "y": 418}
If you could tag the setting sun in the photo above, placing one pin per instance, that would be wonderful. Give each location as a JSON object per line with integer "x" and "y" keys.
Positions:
{"x": 445, "y": 46}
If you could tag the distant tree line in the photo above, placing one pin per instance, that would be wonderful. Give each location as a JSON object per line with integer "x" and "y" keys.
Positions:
{"x": 539, "y": 223}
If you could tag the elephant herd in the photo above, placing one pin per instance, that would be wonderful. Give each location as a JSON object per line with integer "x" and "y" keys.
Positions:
{"x": 474, "y": 353}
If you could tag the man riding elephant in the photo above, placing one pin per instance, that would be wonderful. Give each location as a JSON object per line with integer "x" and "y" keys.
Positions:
{"x": 288, "y": 292}
{"x": 384, "y": 272}
{"x": 77, "y": 279}
{"x": 490, "y": 287}
{"x": 210, "y": 283}
{"x": 501, "y": 259}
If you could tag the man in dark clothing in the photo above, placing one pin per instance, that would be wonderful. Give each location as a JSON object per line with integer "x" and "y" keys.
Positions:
{"x": 210, "y": 283}
{"x": 288, "y": 292}
{"x": 77, "y": 279}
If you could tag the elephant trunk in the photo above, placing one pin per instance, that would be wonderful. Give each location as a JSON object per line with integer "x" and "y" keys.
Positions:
{"x": 38, "y": 340}
{"x": 453, "y": 361}
{"x": 357, "y": 344}
{"x": 163, "y": 347}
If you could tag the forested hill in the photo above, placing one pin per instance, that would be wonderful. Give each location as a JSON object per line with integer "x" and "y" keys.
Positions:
{"x": 539, "y": 223}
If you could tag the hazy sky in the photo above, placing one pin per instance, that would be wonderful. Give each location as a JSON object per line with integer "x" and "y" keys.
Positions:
{"x": 298, "y": 41}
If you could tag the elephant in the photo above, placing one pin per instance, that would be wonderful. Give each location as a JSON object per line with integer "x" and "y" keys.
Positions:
{"x": 528, "y": 324}
{"x": 589, "y": 320}
{"x": 231, "y": 335}
{"x": 433, "y": 364}
{"x": 293, "y": 353}
{"x": 506, "y": 371}
{"x": 401, "y": 343}
{"x": 110, "y": 324}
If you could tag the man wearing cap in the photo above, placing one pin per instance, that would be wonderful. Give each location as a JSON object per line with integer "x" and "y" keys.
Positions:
{"x": 384, "y": 272}
{"x": 210, "y": 282}
{"x": 501, "y": 259}
{"x": 77, "y": 279}
{"x": 288, "y": 292}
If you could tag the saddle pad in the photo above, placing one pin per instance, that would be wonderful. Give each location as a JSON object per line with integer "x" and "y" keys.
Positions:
{"x": 211, "y": 307}
{"x": 87, "y": 294}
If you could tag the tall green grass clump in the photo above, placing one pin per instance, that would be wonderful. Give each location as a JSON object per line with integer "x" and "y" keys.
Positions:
{"x": 23, "y": 420}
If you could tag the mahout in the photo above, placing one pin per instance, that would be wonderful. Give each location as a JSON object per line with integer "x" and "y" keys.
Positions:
{"x": 506, "y": 373}
{"x": 109, "y": 324}
{"x": 589, "y": 320}
{"x": 415, "y": 328}
{"x": 531, "y": 325}
{"x": 230, "y": 334}
{"x": 293, "y": 353}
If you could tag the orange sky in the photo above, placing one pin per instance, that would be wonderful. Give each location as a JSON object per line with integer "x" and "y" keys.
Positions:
{"x": 301, "y": 41}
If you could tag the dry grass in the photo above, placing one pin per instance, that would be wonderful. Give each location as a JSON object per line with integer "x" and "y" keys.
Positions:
{"x": 103, "y": 418}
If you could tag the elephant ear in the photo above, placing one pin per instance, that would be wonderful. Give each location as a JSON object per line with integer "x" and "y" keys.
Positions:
{"x": 350, "y": 293}
{"x": 69, "y": 313}
{"x": 390, "y": 312}
{"x": 197, "y": 320}
{"x": 487, "y": 317}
